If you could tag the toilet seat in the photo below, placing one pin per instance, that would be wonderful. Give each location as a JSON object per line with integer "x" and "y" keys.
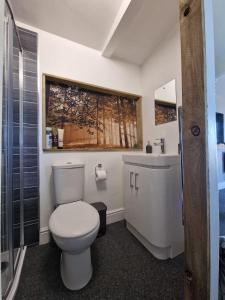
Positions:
{"x": 73, "y": 220}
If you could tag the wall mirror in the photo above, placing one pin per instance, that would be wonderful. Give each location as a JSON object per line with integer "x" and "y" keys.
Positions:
{"x": 166, "y": 103}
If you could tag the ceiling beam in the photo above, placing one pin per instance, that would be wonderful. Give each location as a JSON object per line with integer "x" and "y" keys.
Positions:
{"x": 128, "y": 7}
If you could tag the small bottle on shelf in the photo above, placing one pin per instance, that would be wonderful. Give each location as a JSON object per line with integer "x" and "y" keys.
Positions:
{"x": 48, "y": 138}
{"x": 54, "y": 138}
{"x": 148, "y": 148}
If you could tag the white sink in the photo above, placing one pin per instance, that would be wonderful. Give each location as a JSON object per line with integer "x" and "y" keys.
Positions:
{"x": 152, "y": 159}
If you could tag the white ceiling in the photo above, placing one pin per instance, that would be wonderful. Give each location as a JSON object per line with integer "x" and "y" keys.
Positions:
{"x": 126, "y": 29}
{"x": 86, "y": 22}
{"x": 219, "y": 29}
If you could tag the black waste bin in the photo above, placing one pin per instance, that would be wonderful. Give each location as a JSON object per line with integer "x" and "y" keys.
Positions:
{"x": 101, "y": 208}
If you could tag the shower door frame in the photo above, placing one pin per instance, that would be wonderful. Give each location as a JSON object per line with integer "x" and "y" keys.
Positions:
{"x": 14, "y": 261}
{"x": 2, "y": 15}
{"x": 8, "y": 75}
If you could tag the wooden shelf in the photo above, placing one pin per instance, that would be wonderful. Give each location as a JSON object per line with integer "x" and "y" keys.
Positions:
{"x": 93, "y": 150}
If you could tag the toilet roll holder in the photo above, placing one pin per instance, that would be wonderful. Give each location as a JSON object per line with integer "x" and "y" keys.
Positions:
{"x": 98, "y": 167}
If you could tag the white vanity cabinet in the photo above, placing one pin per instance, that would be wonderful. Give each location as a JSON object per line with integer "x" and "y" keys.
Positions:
{"x": 153, "y": 203}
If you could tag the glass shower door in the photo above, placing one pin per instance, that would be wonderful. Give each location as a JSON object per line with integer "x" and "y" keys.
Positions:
{"x": 6, "y": 172}
{"x": 11, "y": 155}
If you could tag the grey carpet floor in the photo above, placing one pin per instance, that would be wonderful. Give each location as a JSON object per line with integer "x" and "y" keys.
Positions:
{"x": 123, "y": 269}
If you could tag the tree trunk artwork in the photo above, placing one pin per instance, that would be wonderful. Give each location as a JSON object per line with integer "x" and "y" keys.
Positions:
{"x": 91, "y": 118}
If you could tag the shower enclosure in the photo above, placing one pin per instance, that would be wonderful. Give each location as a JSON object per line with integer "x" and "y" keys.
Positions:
{"x": 12, "y": 228}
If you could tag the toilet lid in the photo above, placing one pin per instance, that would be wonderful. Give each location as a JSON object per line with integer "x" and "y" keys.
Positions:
{"x": 73, "y": 219}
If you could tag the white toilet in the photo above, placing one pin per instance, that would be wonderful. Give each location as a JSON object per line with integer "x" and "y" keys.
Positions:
{"x": 74, "y": 225}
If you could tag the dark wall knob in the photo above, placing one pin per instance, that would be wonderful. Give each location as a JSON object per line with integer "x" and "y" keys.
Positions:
{"x": 195, "y": 130}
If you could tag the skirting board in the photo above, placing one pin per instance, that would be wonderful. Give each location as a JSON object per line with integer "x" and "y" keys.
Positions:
{"x": 113, "y": 216}
{"x": 44, "y": 236}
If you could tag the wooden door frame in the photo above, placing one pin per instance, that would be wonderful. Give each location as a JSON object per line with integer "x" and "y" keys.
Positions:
{"x": 201, "y": 213}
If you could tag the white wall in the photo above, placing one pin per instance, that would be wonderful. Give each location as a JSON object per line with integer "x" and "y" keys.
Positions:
{"x": 161, "y": 67}
{"x": 219, "y": 29}
{"x": 220, "y": 107}
{"x": 63, "y": 58}
{"x": 220, "y": 94}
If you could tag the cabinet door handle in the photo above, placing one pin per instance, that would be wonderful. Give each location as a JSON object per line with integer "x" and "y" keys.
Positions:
{"x": 131, "y": 177}
{"x": 135, "y": 181}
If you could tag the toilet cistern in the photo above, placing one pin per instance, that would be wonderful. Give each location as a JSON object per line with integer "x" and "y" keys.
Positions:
{"x": 161, "y": 143}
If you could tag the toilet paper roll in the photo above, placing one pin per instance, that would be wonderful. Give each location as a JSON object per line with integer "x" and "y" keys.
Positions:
{"x": 100, "y": 174}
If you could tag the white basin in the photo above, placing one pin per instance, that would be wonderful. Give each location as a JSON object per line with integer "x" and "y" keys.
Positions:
{"x": 155, "y": 160}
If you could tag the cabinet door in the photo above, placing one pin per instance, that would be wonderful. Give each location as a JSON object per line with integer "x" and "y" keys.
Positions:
{"x": 140, "y": 193}
{"x": 155, "y": 196}
{"x": 128, "y": 193}
{"x": 135, "y": 196}
{"x": 159, "y": 197}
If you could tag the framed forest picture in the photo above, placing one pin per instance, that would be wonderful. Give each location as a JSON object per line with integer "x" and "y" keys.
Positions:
{"x": 79, "y": 116}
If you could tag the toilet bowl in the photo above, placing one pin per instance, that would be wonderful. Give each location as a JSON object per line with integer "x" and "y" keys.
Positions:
{"x": 74, "y": 226}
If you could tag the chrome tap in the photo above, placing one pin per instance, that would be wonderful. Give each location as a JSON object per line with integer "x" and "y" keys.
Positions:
{"x": 161, "y": 143}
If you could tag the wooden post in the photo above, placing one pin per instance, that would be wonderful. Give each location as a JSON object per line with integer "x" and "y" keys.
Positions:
{"x": 196, "y": 220}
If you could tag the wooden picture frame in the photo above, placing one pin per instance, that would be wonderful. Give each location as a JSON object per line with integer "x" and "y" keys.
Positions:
{"x": 112, "y": 120}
